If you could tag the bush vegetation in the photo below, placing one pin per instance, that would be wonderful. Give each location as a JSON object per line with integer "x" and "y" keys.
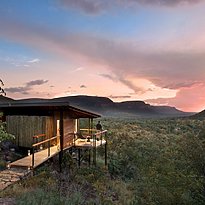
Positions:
{"x": 3, "y": 134}
{"x": 150, "y": 162}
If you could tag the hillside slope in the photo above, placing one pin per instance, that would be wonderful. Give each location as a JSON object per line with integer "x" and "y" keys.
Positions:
{"x": 200, "y": 115}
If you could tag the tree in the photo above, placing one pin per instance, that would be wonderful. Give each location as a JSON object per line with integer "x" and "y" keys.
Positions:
{"x": 2, "y": 92}
{"x": 3, "y": 134}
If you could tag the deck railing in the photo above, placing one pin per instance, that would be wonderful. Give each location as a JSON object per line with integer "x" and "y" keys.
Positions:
{"x": 41, "y": 143}
{"x": 93, "y": 131}
{"x": 88, "y": 131}
{"x": 95, "y": 134}
{"x": 96, "y": 138}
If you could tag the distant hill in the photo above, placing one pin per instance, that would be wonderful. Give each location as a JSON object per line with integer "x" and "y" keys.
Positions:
{"x": 4, "y": 99}
{"x": 106, "y": 107}
{"x": 200, "y": 115}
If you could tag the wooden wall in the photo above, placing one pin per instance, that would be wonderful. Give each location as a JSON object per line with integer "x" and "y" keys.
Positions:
{"x": 69, "y": 128}
{"x": 25, "y": 127}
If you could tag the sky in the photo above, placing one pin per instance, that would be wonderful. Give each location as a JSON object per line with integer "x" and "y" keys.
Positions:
{"x": 150, "y": 50}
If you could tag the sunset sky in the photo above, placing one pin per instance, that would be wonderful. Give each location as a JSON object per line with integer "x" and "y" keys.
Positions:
{"x": 151, "y": 50}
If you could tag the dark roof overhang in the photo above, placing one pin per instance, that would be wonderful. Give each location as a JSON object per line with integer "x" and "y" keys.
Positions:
{"x": 44, "y": 109}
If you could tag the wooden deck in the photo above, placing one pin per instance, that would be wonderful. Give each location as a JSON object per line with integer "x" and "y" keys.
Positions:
{"x": 42, "y": 156}
{"x": 83, "y": 143}
{"x": 39, "y": 158}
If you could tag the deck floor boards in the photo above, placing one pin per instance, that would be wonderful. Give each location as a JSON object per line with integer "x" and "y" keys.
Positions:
{"x": 39, "y": 158}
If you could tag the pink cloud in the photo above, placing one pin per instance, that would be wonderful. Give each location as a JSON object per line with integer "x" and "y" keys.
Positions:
{"x": 188, "y": 99}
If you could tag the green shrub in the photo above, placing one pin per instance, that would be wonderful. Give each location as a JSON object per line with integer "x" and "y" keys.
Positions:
{"x": 164, "y": 160}
{"x": 3, "y": 134}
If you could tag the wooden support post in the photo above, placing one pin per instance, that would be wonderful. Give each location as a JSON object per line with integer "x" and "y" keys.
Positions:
{"x": 106, "y": 153}
{"x": 78, "y": 125}
{"x": 49, "y": 148}
{"x": 101, "y": 137}
{"x": 89, "y": 127}
{"x": 61, "y": 140}
{"x": 79, "y": 157}
{"x": 71, "y": 151}
{"x": 94, "y": 145}
{"x": 91, "y": 124}
{"x": 106, "y": 148}
{"x": 89, "y": 158}
{"x": 33, "y": 151}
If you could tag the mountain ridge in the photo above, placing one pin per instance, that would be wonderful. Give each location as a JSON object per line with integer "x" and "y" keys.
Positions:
{"x": 107, "y": 108}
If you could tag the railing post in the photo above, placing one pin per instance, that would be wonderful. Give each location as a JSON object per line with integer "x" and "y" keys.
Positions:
{"x": 106, "y": 153}
{"x": 49, "y": 148}
{"x": 33, "y": 157}
{"x": 61, "y": 139}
